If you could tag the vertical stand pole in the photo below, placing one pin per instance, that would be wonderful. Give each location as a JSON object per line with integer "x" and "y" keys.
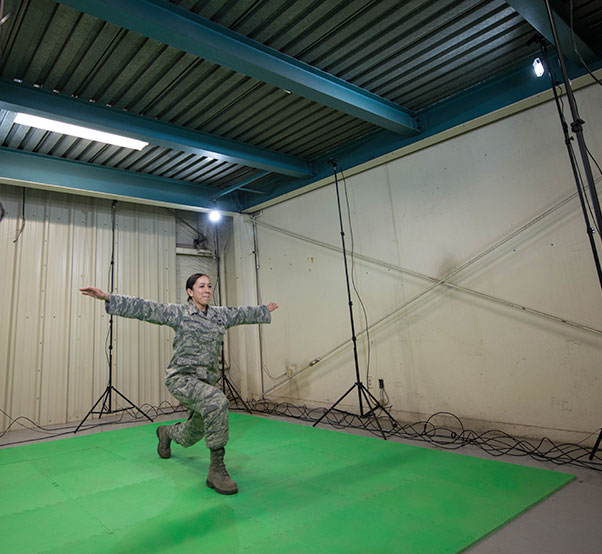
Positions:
{"x": 574, "y": 165}
{"x": 362, "y": 392}
{"x": 226, "y": 383}
{"x": 106, "y": 396}
{"x": 577, "y": 124}
{"x": 577, "y": 128}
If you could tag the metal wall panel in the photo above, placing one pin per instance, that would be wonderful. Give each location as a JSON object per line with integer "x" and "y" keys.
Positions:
{"x": 52, "y": 339}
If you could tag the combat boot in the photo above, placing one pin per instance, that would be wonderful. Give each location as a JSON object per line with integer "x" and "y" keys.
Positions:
{"x": 218, "y": 477}
{"x": 164, "y": 446}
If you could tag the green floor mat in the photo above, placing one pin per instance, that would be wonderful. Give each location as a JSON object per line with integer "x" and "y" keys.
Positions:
{"x": 302, "y": 490}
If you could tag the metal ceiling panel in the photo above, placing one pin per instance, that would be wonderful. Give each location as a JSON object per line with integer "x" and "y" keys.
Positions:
{"x": 109, "y": 66}
{"x": 536, "y": 13}
{"x": 38, "y": 102}
{"x": 588, "y": 12}
{"x": 429, "y": 59}
{"x": 152, "y": 161}
{"x": 387, "y": 46}
{"x": 180, "y": 28}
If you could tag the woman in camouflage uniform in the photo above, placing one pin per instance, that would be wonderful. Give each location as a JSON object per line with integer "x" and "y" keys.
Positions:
{"x": 193, "y": 370}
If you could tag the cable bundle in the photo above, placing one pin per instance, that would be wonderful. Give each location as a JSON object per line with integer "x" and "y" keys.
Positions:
{"x": 494, "y": 442}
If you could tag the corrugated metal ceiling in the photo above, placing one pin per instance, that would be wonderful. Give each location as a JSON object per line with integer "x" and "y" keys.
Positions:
{"x": 414, "y": 53}
{"x": 408, "y": 57}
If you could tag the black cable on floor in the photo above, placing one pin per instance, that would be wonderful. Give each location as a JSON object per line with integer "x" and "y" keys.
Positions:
{"x": 493, "y": 442}
{"x": 164, "y": 408}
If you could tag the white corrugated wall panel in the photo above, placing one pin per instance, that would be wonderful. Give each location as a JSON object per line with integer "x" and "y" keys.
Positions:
{"x": 52, "y": 339}
{"x": 142, "y": 351}
{"x": 90, "y": 251}
{"x": 10, "y": 199}
{"x": 55, "y": 306}
{"x": 29, "y": 274}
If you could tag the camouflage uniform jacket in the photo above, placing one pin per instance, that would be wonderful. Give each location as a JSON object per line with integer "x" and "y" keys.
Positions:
{"x": 199, "y": 334}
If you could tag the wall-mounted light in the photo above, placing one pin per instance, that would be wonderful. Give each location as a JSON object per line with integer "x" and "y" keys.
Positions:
{"x": 215, "y": 215}
{"x": 538, "y": 67}
{"x": 77, "y": 131}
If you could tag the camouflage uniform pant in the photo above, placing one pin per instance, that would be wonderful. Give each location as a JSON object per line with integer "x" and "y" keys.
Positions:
{"x": 207, "y": 412}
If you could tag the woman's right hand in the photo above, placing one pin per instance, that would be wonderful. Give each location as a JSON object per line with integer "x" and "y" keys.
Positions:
{"x": 94, "y": 293}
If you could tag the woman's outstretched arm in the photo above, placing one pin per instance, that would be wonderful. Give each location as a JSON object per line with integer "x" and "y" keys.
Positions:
{"x": 137, "y": 308}
{"x": 95, "y": 293}
{"x": 248, "y": 314}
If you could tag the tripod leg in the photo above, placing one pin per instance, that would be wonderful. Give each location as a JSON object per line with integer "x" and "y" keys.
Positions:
{"x": 596, "y": 446}
{"x": 379, "y": 405}
{"x": 333, "y": 406}
{"x": 235, "y": 394}
{"x": 103, "y": 408}
{"x": 103, "y": 395}
{"x": 132, "y": 404}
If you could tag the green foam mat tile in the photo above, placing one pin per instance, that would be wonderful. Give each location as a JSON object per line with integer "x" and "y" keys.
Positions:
{"x": 302, "y": 489}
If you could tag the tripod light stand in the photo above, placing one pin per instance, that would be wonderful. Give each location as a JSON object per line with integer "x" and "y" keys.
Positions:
{"x": 106, "y": 396}
{"x": 577, "y": 128}
{"x": 226, "y": 383}
{"x": 363, "y": 394}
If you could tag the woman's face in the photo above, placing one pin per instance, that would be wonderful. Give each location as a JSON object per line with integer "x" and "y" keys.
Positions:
{"x": 201, "y": 292}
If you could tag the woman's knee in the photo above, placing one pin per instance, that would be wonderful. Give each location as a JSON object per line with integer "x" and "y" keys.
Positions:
{"x": 215, "y": 402}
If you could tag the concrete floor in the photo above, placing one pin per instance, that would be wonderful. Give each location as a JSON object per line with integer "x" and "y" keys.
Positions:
{"x": 568, "y": 522}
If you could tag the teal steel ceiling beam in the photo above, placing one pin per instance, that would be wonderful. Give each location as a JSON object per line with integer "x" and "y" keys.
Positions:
{"x": 241, "y": 184}
{"x": 42, "y": 171}
{"x": 184, "y": 30}
{"x": 536, "y": 14}
{"x": 22, "y": 98}
{"x": 496, "y": 93}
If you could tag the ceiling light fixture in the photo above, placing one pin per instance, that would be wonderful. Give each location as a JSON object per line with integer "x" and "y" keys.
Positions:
{"x": 538, "y": 67}
{"x": 77, "y": 131}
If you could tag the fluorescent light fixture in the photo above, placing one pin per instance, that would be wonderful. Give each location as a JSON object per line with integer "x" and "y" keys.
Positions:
{"x": 538, "y": 67}
{"x": 77, "y": 131}
{"x": 215, "y": 216}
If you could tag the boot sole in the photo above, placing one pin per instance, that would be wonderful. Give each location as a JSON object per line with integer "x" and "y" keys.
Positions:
{"x": 220, "y": 491}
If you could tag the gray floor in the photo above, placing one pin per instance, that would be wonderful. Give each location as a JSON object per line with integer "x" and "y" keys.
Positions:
{"x": 568, "y": 522}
